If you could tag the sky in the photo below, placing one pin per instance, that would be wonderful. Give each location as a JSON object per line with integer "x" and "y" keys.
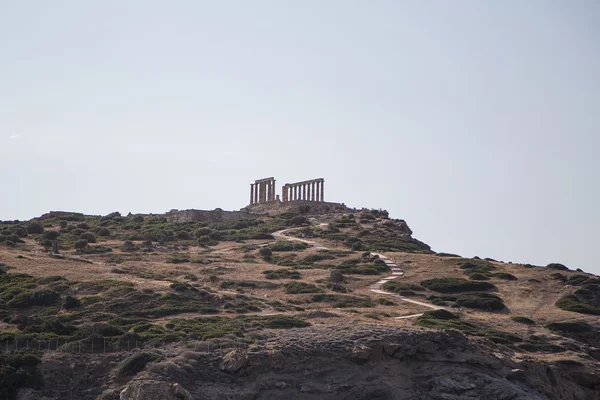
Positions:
{"x": 478, "y": 122}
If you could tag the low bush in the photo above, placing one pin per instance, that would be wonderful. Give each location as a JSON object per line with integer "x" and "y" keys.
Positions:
{"x": 523, "y": 320}
{"x": 282, "y": 274}
{"x": 504, "y": 275}
{"x": 336, "y": 276}
{"x": 479, "y": 276}
{"x": 300, "y": 287}
{"x": 127, "y": 246}
{"x": 444, "y": 321}
{"x": 35, "y": 227}
{"x": 266, "y": 253}
{"x": 136, "y": 363}
{"x": 577, "y": 279}
{"x": 403, "y": 289}
{"x": 480, "y": 301}
{"x": 89, "y": 236}
{"x": 557, "y": 266}
{"x": 569, "y": 327}
{"x": 286, "y": 245}
{"x": 284, "y": 322}
{"x": 104, "y": 232}
{"x": 343, "y": 301}
{"x": 455, "y": 285}
{"x": 18, "y": 369}
{"x": 71, "y": 302}
{"x": 80, "y": 244}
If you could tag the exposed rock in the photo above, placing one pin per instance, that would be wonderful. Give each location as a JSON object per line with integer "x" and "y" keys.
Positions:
{"x": 233, "y": 361}
{"x": 154, "y": 390}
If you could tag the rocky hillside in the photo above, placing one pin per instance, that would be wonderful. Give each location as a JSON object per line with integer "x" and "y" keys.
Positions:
{"x": 291, "y": 305}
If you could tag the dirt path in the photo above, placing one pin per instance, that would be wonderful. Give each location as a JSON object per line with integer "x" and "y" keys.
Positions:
{"x": 397, "y": 272}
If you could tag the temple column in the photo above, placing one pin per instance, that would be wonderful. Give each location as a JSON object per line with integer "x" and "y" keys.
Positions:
{"x": 273, "y": 189}
{"x": 312, "y": 191}
{"x": 251, "y": 193}
{"x": 304, "y": 192}
{"x": 322, "y": 190}
{"x": 317, "y": 191}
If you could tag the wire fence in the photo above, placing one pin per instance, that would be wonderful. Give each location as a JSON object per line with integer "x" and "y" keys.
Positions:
{"x": 105, "y": 346}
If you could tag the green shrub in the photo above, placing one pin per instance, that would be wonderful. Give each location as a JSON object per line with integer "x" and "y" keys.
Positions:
{"x": 574, "y": 304}
{"x": 558, "y": 276}
{"x": 505, "y": 276}
{"x": 286, "y": 245}
{"x": 127, "y": 246}
{"x": 440, "y": 314}
{"x": 51, "y": 235}
{"x": 18, "y": 369}
{"x": 103, "y": 232}
{"x": 282, "y": 274}
{"x": 89, "y": 236}
{"x": 136, "y": 363}
{"x": 480, "y": 301}
{"x": 523, "y": 320}
{"x": 80, "y": 244}
{"x": 455, "y": 285}
{"x": 300, "y": 287}
{"x": 266, "y": 253}
{"x": 285, "y": 322}
{"x": 577, "y": 279}
{"x": 569, "y": 327}
{"x": 403, "y": 289}
{"x": 336, "y": 276}
{"x": 35, "y": 227}
{"x": 19, "y": 231}
{"x": 478, "y": 276}
{"x": 385, "y": 302}
{"x": 557, "y": 266}
{"x": 343, "y": 301}
{"x": 436, "y": 319}
{"x": 203, "y": 231}
{"x": 71, "y": 302}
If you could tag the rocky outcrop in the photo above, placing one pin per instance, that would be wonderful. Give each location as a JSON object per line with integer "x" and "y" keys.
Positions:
{"x": 154, "y": 390}
{"x": 346, "y": 362}
{"x": 216, "y": 215}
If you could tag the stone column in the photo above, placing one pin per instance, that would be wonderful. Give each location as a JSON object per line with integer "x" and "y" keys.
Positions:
{"x": 273, "y": 190}
{"x": 317, "y": 196}
{"x": 322, "y": 190}
{"x": 304, "y": 191}
{"x": 251, "y": 193}
{"x": 312, "y": 191}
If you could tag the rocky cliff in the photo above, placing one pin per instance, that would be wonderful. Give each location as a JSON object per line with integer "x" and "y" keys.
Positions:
{"x": 344, "y": 362}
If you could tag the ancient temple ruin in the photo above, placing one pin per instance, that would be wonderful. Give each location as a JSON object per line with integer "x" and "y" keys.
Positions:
{"x": 312, "y": 190}
{"x": 263, "y": 190}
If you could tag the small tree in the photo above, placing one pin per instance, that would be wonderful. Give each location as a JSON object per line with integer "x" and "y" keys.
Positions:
{"x": 103, "y": 232}
{"x": 51, "y": 235}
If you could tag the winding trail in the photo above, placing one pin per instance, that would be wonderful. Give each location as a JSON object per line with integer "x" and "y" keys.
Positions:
{"x": 397, "y": 272}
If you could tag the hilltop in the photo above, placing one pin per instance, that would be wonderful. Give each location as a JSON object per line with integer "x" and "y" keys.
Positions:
{"x": 258, "y": 303}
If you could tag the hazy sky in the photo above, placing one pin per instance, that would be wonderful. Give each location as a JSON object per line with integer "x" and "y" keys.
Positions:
{"x": 478, "y": 122}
